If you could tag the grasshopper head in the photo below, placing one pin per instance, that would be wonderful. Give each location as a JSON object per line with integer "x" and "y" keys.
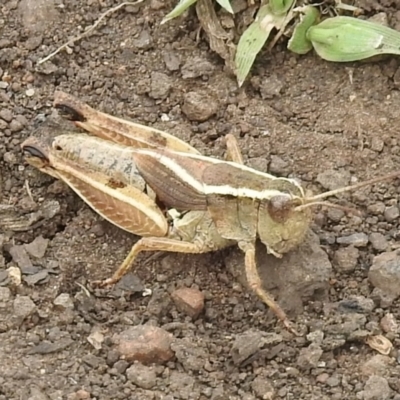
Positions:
{"x": 285, "y": 218}
{"x": 281, "y": 227}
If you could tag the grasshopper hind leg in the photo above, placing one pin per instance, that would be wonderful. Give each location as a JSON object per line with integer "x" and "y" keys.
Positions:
{"x": 255, "y": 284}
{"x": 152, "y": 244}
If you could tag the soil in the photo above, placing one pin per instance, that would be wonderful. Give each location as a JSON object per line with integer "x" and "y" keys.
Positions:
{"x": 325, "y": 124}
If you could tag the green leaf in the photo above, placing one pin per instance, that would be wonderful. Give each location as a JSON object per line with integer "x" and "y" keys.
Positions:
{"x": 179, "y": 9}
{"x": 299, "y": 43}
{"x": 253, "y": 39}
{"x": 279, "y": 7}
{"x": 226, "y": 4}
{"x": 343, "y": 39}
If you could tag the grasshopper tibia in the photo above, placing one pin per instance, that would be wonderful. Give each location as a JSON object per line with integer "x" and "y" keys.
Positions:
{"x": 152, "y": 244}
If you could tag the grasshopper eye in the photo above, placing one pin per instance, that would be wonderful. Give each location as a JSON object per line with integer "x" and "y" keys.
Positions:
{"x": 57, "y": 147}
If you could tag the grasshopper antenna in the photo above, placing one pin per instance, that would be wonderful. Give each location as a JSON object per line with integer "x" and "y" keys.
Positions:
{"x": 315, "y": 200}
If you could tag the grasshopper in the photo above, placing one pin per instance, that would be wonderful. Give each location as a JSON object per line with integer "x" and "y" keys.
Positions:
{"x": 156, "y": 186}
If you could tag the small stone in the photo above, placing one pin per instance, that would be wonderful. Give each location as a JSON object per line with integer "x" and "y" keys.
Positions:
{"x": 38, "y": 247}
{"x": 378, "y": 241}
{"x": 262, "y": 388}
{"x": 64, "y": 301}
{"x": 316, "y": 337}
{"x": 96, "y": 339}
{"x": 146, "y": 344}
{"x": 377, "y": 144}
{"x": 20, "y": 256}
{"x": 142, "y": 376}
{"x": 356, "y": 239}
{"x": 92, "y": 360}
{"x": 16, "y": 126}
{"x": 389, "y": 323}
{"x": 392, "y": 213}
{"x": 33, "y": 42}
{"x": 23, "y": 306}
{"x": 332, "y": 179}
{"x": 357, "y": 304}
{"x": 309, "y": 357}
{"x": 322, "y": 378}
{"x": 345, "y": 259}
{"x": 278, "y": 166}
{"x": 190, "y": 354}
{"x": 199, "y": 106}
{"x": 37, "y": 15}
{"x": 160, "y": 85}
{"x": 5, "y": 43}
{"x": 189, "y": 301}
{"x": 121, "y": 366}
{"x": 30, "y": 92}
{"x": 377, "y": 365}
{"x": 144, "y": 41}
{"x": 271, "y": 87}
{"x": 385, "y": 272}
{"x": 82, "y": 394}
{"x": 335, "y": 214}
{"x": 333, "y": 381}
{"x": 376, "y": 388}
{"x": 377, "y": 208}
{"x": 6, "y": 115}
{"x": 196, "y": 67}
{"x": 10, "y": 158}
{"x": 14, "y": 275}
{"x": 171, "y": 60}
{"x": 245, "y": 345}
{"x": 383, "y": 298}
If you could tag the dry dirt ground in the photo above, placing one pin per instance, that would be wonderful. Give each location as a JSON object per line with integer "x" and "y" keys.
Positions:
{"x": 325, "y": 124}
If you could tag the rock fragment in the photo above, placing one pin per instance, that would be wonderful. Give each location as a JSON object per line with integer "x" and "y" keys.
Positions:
{"x": 146, "y": 344}
{"x": 199, "y": 106}
{"x": 346, "y": 258}
{"x": 189, "y": 301}
{"x": 37, "y": 248}
{"x": 384, "y": 273}
{"x": 142, "y": 375}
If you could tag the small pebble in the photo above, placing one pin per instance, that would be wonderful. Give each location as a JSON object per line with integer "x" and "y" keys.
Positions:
{"x": 356, "y": 239}
{"x": 389, "y": 323}
{"x": 189, "y": 300}
{"x": 392, "y": 213}
{"x": 345, "y": 259}
{"x": 142, "y": 375}
{"x": 378, "y": 241}
{"x": 385, "y": 273}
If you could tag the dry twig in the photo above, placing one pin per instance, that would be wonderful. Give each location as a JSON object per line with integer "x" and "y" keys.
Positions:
{"x": 91, "y": 28}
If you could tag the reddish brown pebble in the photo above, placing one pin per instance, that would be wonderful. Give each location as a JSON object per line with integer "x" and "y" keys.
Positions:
{"x": 82, "y": 395}
{"x": 146, "y": 344}
{"x": 189, "y": 301}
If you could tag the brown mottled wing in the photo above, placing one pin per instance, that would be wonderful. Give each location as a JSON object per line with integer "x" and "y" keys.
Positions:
{"x": 235, "y": 176}
{"x": 175, "y": 178}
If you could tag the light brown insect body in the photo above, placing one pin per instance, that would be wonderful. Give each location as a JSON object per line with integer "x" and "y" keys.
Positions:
{"x": 219, "y": 203}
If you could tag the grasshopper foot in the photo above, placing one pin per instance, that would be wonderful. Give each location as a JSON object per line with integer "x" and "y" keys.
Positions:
{"x": 289, "y": 327}
{"x": 104, "y": 283}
